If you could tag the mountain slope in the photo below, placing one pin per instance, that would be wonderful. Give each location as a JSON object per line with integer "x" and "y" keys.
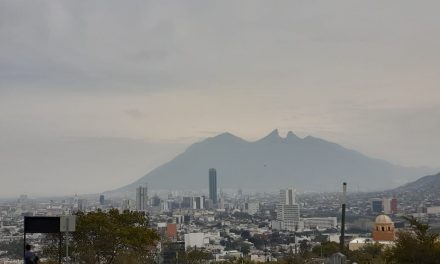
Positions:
{"x": 427, "y": 184}
{"x": 273, "y": 162}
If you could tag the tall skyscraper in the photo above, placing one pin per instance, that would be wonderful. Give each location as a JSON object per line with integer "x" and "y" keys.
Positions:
{"x": 386, "y": 202}
{"x": 213, "y": 185}
{"x": 288, "y": 210}
{"x": 101, "y": 199}
{"x": 376, "y": 205}
{"x": 141, "y": 198}
{"x": 198, "y": 202}
{"x": 393, "y": 205}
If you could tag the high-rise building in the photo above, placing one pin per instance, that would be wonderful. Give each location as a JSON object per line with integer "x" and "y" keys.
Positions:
{"x": 82, "y": 205}
{"x": 155, "y": 201}
{"x": 287, "y": 196}
{"x": 376, "y": 205}
{"x": 386, "y": 203}
{"x": 141, "y": 198}
{"x": 193, "y": 202}
{"x": 186, "y": 202}
{"x": 288, "y": 210}
{"x": 213, "y": 185}
{"x": 198, "y": 202}
{"x": 393, "y": 205}
{"x": 128, "y": 204}
{"x": 389, "y": 205}
{"x": 101, "y": 199}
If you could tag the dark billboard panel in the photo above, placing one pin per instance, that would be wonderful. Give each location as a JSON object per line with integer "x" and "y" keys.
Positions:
{"x": 41, "y": 224}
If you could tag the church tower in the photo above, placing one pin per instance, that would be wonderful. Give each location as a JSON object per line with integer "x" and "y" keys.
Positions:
{"x": 384, "y": 229}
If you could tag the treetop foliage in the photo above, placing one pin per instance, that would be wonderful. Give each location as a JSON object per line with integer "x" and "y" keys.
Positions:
{"x": 416, "y": 246}
{"x": 110, "y": 237}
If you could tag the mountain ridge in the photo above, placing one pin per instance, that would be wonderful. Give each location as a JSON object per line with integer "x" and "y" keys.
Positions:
{"x": 425, "y": 184}
{"x": 308, "y": 163}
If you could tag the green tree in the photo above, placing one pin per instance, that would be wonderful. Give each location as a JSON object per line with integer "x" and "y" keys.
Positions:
{"x": 245, "y": 248}
{"x": 368, "y": 254}
{"x": 195, "y": 256}
{"x": 292, "y": 258}
{"x": 416, "y": 246}
{"x": 304, "y": 248}
{"x": 326, "y": 249}
{"x": 258, "y": 241}
{"x": 245, "y": 234}
{"x": 109, "y": 238}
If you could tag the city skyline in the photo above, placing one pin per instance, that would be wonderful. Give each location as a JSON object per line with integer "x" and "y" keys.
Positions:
{"x": 245, "y": 220}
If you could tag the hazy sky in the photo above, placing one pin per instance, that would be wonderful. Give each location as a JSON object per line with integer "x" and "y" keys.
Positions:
{"x": 94, "y": 94}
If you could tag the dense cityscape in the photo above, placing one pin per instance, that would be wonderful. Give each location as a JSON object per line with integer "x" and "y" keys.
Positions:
{"x": 259, "y": 226}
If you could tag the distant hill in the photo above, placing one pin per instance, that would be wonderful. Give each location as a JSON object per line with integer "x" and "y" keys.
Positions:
{"x": 428, "y": 184}
{"x": 273, "y": 162}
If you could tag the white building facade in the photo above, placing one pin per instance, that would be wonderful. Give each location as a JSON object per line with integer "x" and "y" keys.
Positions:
{"x": 288, "y": 210}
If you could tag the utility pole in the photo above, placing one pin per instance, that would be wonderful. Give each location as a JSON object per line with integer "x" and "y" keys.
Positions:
{"x": 343, "y": 201}
{"x": 67, "y": 224}
{"x": 67, "y": 240}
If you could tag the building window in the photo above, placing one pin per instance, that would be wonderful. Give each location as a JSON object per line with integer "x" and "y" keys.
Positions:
{"x": 383, "y": 228}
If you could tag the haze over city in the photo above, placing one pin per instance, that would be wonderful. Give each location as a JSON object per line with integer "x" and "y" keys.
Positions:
{"x": 94, "y": 95}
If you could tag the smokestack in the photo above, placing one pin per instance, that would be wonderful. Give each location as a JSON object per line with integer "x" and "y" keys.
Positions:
{"x": 343, "y": 201}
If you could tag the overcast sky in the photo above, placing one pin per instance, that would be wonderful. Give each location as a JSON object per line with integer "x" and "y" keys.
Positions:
{"x": 94, "y": 94}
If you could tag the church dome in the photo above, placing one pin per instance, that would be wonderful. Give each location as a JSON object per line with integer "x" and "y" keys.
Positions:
{"x": 383, "y": 219}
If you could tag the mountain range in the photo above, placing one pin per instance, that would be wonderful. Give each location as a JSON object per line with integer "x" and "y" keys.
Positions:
{"x": 274, "y": 162}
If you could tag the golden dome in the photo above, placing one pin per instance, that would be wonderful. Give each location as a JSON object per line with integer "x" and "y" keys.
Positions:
{"x": 383, "y": 219}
